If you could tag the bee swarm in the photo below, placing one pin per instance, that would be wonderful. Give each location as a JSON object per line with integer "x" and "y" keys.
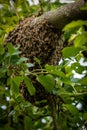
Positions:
{"x": 40, "y": 40}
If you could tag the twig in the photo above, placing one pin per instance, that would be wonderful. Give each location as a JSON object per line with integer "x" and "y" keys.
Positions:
{"x": 54, "y": 114}
{"x": 40, "y": 8}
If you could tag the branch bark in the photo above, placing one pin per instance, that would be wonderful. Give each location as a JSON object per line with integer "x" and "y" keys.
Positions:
{"x": 63, "y": 15}
{"x": 54, "y": 116}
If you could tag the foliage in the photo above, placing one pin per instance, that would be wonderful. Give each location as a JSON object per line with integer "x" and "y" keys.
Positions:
{"x": 67, "y": 80}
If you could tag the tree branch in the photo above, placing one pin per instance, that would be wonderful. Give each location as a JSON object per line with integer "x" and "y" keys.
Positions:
{"x": 53, "y": 112}
{"x": 63, "y": 15}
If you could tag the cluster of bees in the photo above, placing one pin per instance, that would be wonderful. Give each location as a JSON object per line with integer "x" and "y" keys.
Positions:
{"x": 41, "y": 40}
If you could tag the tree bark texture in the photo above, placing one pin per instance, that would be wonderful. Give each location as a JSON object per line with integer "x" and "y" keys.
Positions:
{"x": 65, "y": 14}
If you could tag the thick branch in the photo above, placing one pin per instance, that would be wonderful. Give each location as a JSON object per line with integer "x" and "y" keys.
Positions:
{"x": 63, "y": 15}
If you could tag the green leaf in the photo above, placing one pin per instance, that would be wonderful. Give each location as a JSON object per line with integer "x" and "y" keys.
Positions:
{"x": 37, "y": 60}
{"x": 47, "y": 81}
{"x": 30, "y": 86}
{"x": 68, "y": 33}
{"x": 14, "y": 90}
{"x": 74, "y": 24}
{"x": 18, "y": 80}
{"x": 14, "y": 60}
{"x": 54, "y": 70}
{"x": 70, "y": 51}
{"x": 75, "y": 33}
{"x": 13, "y": 50}
{"x": 3, "y": 71}
{"x": 22, "y": 59}
{"x": 83, "y": 81}
{"x": 2, "y": 91}
{"x": 68, "y": 82}
{"x": 28, "y": 123}
{"x": 15, "y": 83}
{"x": 77, "y": 67}
{"x": 85, "y": 116}
{"x": 81, "y": 40}
{"x": 30, "y": 65}
{"x": 72, "y": 109}
{"x": 10, "y": 48}
{"x": 1, "y": 49}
